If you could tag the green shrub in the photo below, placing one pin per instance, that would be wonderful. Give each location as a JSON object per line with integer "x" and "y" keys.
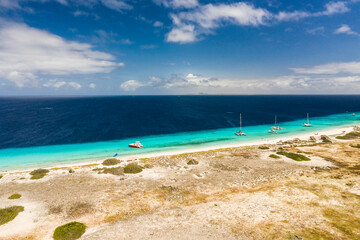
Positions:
{"x": 114, "y": 171}
{"x": 37, "y": 176}
{"x": 71, "y": 170}
{"x": 263, "y": 147}
{"x": 355, "y": 146}
{"x": 326, "y": 141}
{"x": 294, "y": 156}
{"x": 111, "y": 161}
{"x": 132, "y": 168}
{"x": 15, "y": 196}
{"x": 349, "y": 136}
{"x": 192, "y": 162}
{"x": 39, "y": 173}
{"x": 69, "y": 231}
{"x": 1, "y": 176}
{"x": 8, "y": 214}
{"x": 274, "y": 156}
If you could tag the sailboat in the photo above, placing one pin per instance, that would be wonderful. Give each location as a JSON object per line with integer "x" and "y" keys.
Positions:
{"x": 275, "y": 127}
{"x": 240, "y": 132}
{"x": 307, "y": 124}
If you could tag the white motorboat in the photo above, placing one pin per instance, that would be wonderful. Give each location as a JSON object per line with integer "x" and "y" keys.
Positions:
{"x": 137, "y": 144}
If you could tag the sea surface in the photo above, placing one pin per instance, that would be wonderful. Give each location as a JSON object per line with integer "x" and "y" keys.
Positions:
{"x": 41, "y": 132}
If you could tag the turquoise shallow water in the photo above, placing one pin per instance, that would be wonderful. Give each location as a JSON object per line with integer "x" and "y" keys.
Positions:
{"x": 47, "y": 156}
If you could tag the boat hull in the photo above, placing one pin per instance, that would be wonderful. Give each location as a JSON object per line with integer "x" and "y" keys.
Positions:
{"x": 134, "y": 146}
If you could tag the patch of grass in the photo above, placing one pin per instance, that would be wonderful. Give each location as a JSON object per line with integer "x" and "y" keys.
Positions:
{"x": 8, "y": 214}
{"x": 349, "y": 136}
{"x": 111, "y": 161}
{"x": 118, "y": 171}
{"x": 326, "y": 141}
{"x": 346, "y": 223}
{"x": 79, "y": 209}
{"x": 1, "y": 176}
{"x": 355, "y": 146}
{"x": 69, "y": 231}
{"x": 132, "y": 168}
{"x": 55, "y": 209}
{"x": 274, "y": 156}
{"x": 224, "y": 167}
{"x": 192, "y": 162}
{"x": 263, "y": 147}
{"x": 39, "y": 173}
{"x": 125, "y": 212}
{"x": 294, "y": 156}
{"x": 355, "y": 167}
{"x": 15, "y": 196}
{"x": 315, "y": 233}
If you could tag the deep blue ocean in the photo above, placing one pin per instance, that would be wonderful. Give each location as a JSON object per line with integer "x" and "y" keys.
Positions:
{"x": 39, "y": 125}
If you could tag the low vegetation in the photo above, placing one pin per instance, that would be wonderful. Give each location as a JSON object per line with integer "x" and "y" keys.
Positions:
{"x": 326, "y": 141}
{"x": 79, "y": 209}
{"x": 114, "y": 171}
{"x": 15, "y": 196}
{"x": 294, "y": 156}
{"x": 263, "y": 147}
{"x": 349, "y": 136}
{"x": 192, "y": 162}
{"x": 1, "y": 176}
{"x": 355, "y": 146}
{"x": 71, "y": 170}
{"x": 69, "y": 231}
{"x": 39, "y": 173}
{"x": 8, "y": 214}
{"x": 111, "y": 161}
{"x": 274, "y": 156}
{"x": 132, "y": 168}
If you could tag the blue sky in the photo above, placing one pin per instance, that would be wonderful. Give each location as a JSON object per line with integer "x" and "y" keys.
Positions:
{"x": 122, "y": 47}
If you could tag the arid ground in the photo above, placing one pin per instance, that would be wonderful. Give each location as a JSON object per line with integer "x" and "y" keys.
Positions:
{"x": 235, "y": 193}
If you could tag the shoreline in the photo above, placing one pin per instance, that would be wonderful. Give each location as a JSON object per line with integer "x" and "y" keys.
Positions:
{"x": 303, "y": 136}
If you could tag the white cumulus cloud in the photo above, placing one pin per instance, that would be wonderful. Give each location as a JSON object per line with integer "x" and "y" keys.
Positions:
{"x": 331, "y": 68}
{"x": 345, "y": 29}
{"x": 131, "y": 85}
{"x": 177, "y": 3}
{"x": 59, "y": 84}
{"x": 201, "y": 20}
{"x": 27, "y": 52}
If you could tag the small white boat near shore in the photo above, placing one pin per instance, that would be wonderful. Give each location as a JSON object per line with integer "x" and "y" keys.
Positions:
{"x": 137, "y": 144}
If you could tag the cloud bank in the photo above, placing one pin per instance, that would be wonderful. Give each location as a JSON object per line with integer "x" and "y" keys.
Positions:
{"x": 190, "y": 25}
{"x": 27, "y": 53}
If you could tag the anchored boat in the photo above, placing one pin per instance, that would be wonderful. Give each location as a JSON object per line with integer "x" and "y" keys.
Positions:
{"x": 240, "y": 132}
{"x": 276, "y": 127}
{"x": 307, "y": 124}
{"x": 137, "y": 144}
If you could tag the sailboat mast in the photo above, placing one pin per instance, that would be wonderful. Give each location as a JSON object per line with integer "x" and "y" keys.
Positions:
{"x": 307, "y": 117}
{"x": 240, "y": 122}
